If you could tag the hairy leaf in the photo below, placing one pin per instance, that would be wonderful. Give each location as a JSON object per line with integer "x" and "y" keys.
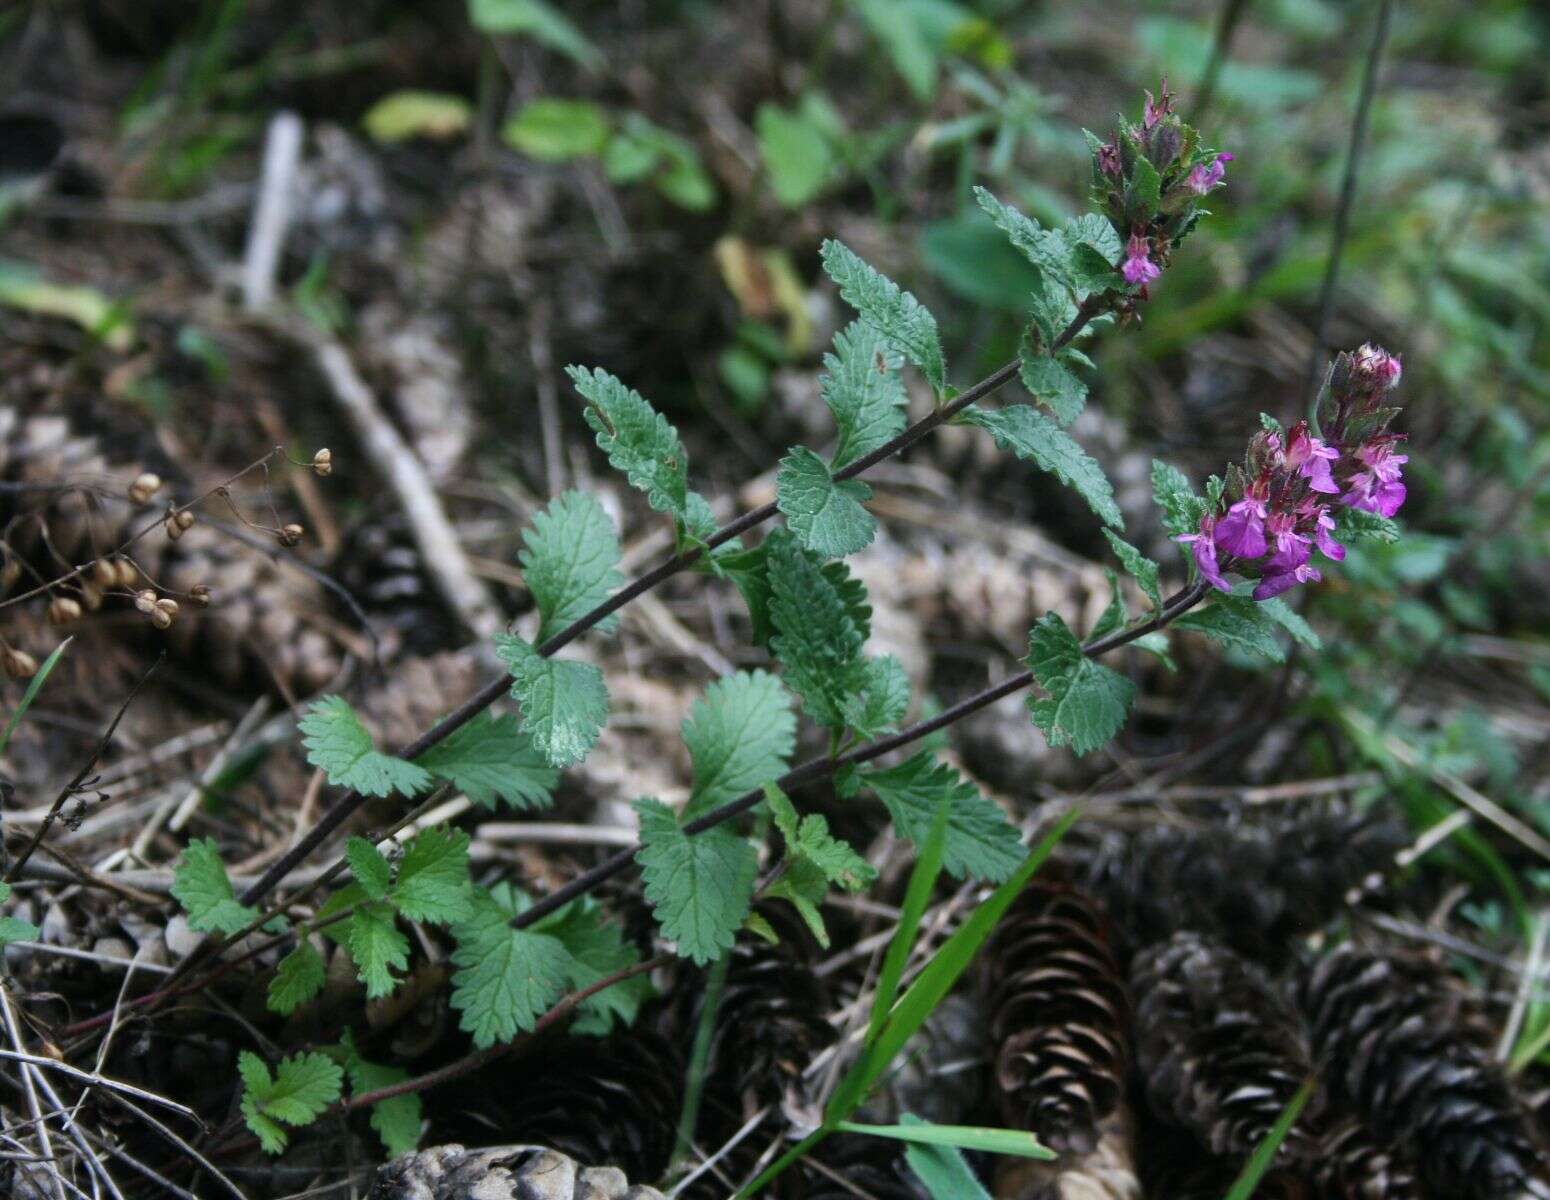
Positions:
{"x": 491, "y": 758}
{"x": 569, "y": 561}
{"x": 507, "y": 977}
{"x": 862, "y": 388}
{"x": 338, "y": 744}
{"x": 638, "y": 440}
{"x": 901, "y": 320}
{"x": 200, "y": 884}
{"x": 1031, "y": 435}
{"x": 740, "y": 735}
{"x": 1087, "y": 702}
{"x": 981, "y": 842}
{"x": 826, "y": 516}
{"x": 699, "y": 886}
{"x": 564, "y": 703}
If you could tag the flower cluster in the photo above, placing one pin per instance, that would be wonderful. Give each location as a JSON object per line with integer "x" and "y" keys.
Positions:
{"x": 1147, "y": 178}
{"x": 1280, "y": 505}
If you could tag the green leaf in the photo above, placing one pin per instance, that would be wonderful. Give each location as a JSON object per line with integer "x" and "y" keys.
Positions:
{"x": 570, "y": 560}
{"x": 1095, "y": 231}
{"x": 540, "y": 20}
{"x": 492, "y": 758}
{"x": 433, "y": 883}
{"x": 749, "y": 570}
{"x": 1031, "y": 435}
{"x": 1050, "y": 383}
{"x": 817, "y": 638}
{"x": 507, "y": 977}
{"x": 564, "y": 703}
{"x": 597, "y": 949}
{"x": 1044, "y": 248}
{"x": 966, "y": 1137}
{"x": 1140, "y": 568}
{"x": 901, "y": 320}
{"x": 894, "y": 25}
{"x": 699, "y": 886}
{"x": 368, "y": 866}
{"x": 201, "y": 886}
{"x": 861, "y": 386}
{"x": 942, "y": 1169}
{"x": 1288, "y": 619}
{"x": 1356, "y": 525}
{"x": 740, "y": 735}
{"x": 796, "y": 153}
{"x": 377, "y": 945}
{"x": 34, "y": 686}
{"x": 804, "y": 886}
{"x": 14, "y": 929}
{"x": 826, "y": 516}
{"x": 1145, "y": 190}
{"x": 879, "y": 704}
{"x": 1237, "y": 624}
{"x": 933, "y": 983}
{"x": 1087, "y": 702}
{"x": 981, "y": 842}
{"x": 410, "y": 113}
{"x": 638, "y": 440}
{"x": 302, "y": 1087}
{"x": 298, "y": 978}
{"x": 1116, "y": 615}
{"x": 1181, "y": 507}
{"x": 397, "y": 1119}
{"x": 554, "y": 130}
{"x": 810, "y": 839}
{"x": 338, "y": 744}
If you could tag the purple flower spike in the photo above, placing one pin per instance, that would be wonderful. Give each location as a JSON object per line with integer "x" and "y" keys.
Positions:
{"x": 1205, "y": 176}
{"x": 1274, "y": 585}
{"x": 1323, "y": 536}
{"x": 1108, "y": 160}
{"x": 1376, "y": 366}
{"x": 1377, "y": 488}
{"x": 1203, "y": 545}
{"x": 1138, "y": 266}
{"x": 1311, "y": 457}
{"x": 1241, "y": 532}
{"x": 1291, "y": 548}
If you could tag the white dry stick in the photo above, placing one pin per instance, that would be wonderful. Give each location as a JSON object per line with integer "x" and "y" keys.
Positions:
{"x": 190, "y": 803}
{"x": 272, "y": 211}
{"x": 464, "y": 591}
{"x": 40, "y": 1127}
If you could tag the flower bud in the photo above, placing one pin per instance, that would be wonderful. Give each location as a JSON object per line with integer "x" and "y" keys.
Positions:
{"x": 18, "y": 664}
{"x": 62, "y": 610}
{"x": 91, "y": 596}
{"x": 145, "y": 600}
{"x": 128, "y": 573}
{"x": 161, "y": 618}
{"x": 323, "y": 462}
{"x": 168, "y": 605}
{"x": 146, "y": 485}
{"x": 199, "y": 596}
{"x": 291, "y": 535}
{"x": 104, "y": 573}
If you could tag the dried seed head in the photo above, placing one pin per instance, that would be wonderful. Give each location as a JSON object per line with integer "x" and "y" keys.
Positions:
{"x": 146, "y": 485}
{"x": 91, "y": 596}
{"x": 184, "y": 518}
{"x": 145, "y": 600}
{"x": 290, "y": 535}
{"x": 199, "y": 596}
{"x": 10, "y": 572}
{"x": 168, "y": 605}
{"x": 104, "y": 574}
{"x": 174, "y": 530}
{"x": 323, "y": 462}
{"x": 161, "y": 618}
{"x": 128, "y": 573}
{"x": 62, "y": 610}
{"x": 18, "y": 664}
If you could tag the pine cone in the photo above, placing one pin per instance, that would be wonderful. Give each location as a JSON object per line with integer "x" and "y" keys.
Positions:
{"x": 1400, "y": 1049}
{"x": 1220, "y": 1051}
{"x": 504, "y": 1173}
{"x": 1353, "y": 1165}
{"x": 1108, "y": 1172}
{"x": 1173, "y": 1167}
{"x": 1059, "y": 1018}
{"x": 1256, "y": 885}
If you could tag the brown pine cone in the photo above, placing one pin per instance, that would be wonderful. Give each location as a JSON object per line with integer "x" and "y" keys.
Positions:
{"x": 1220, "y": 1051}
{"x": 1059, "y": 1017}
{"x": 1257, "y": 883}
{"x": 1400, "y": 1047}
{"x": 1353, "y": 1165}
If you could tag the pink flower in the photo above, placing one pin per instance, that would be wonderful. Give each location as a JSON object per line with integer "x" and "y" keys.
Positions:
{"x": 1138, "y": 266}
{"x": 1310, "y": 457}
{"x": 1203, "y": 177}
{"x": 1378, "y": 488}
{"x": 1274, "y": 585}
{"x": 1242, "y": 531}
{"x": 1108, "y": 160}
{"x": 1376, "y": 366}
{"x": 1203, "y": 545}
{"x": 1323, "y": 535}
{"x": 1156, "y": 110}
{"x": 1291, "y": 548}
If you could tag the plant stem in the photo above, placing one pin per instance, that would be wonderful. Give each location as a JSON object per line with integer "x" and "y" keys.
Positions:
{"x": 1353, "y": 158}
{"x": 819, "y": 768}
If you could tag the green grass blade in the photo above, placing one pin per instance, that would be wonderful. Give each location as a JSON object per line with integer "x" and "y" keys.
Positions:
{"x": 941, "y": 1169}
{"x": 768, "y": 1175}
{"x": 1243, "y": 1187}
{"x": 964, "y": 1137}
{"x": 937, "y": 979}
{"x": 916, "y": 897}
{"x": 33, "y": 687}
